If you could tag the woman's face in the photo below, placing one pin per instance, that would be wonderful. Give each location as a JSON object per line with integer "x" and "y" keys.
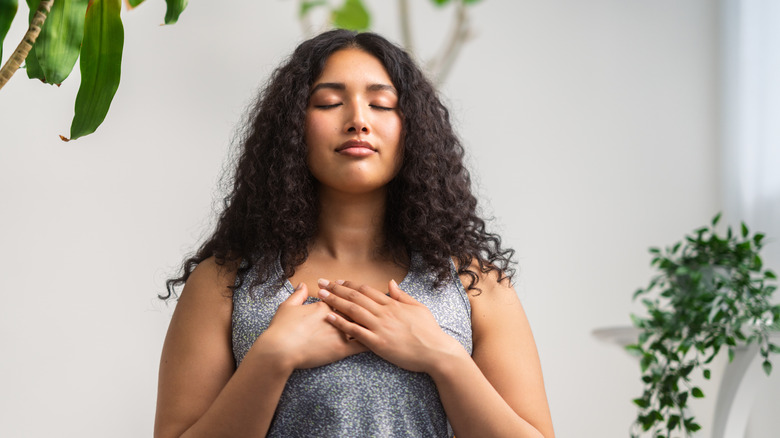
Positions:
{"x": 353, "y": 126}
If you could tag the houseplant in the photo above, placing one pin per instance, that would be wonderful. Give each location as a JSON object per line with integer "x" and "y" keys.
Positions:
{"x": 710, "y": 293}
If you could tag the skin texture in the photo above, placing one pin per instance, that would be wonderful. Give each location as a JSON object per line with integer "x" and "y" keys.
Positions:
{"x": 498, "y": 391}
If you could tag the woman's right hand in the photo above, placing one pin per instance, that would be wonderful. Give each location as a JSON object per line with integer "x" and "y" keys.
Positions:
{"x": 299, "y": 335}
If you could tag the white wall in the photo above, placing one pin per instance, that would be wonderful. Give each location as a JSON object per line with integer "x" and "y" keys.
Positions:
{"x": 590, "y": 128}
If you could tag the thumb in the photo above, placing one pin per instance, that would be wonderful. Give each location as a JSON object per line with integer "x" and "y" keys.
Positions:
{"x": 299, "y": 295}
{"x": 397, "y": 294}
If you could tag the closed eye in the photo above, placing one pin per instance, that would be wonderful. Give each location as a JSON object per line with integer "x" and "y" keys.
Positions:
{"x": 334, "y": 105}
{"x": 381, "y": 108}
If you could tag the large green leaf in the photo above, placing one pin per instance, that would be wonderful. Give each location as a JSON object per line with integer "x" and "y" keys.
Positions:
{"x": 31, "y": 62}
{"x": 101, "y": 65}
{"x": 59, "y": 42}
{"x": 352, "y": 15}
{"x": 175, "y": 8}
{"x": 7, "y": 13}
{"x": 135, "y": 3}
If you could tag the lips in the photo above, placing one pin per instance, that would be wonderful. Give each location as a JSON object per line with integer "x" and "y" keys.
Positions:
{"x": 357, "y": 145}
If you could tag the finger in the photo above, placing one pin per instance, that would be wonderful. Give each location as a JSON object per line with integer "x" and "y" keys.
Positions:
{"x": 356, "y": 331}
{"x": 360, "y": 295}
{"x": 349, "y": 305}
{"x": 366, "y": 290}
{"x": 397, "y": 294}
{"x": 298, "y": 296}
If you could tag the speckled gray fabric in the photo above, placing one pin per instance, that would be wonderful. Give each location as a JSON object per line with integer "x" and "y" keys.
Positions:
{"x": 362, "y": 395}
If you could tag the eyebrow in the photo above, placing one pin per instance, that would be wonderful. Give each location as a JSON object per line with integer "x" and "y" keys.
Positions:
{"x": 341, "y": 87}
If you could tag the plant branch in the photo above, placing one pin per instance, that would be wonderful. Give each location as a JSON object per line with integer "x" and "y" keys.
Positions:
{"x": 406, "y": 26}
{"x": 20, "y": 54}
{"x": 440, "y": 66}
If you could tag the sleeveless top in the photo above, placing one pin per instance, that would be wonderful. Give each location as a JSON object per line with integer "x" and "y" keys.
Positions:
{"x": 361, "y": 395}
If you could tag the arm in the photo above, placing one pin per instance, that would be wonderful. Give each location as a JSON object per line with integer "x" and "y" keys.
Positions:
{"x": 498, "y": 392}
{"x": 201, "y": 393}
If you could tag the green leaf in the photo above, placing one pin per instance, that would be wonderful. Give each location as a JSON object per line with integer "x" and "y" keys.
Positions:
{"x": 716, "y": 219}
{"x": 135, "y": 3}
{"x": 8, "y": 10}
{"x": 641, "y": 402}
{"x": 174, "y": 9}
{"x": 31, "y": 62}
{"x": 707, "y": 374}
{"x": 674, "y": 421}
{"x": 440, "y": 2}
{"x": 470, "y": 2}
{"x": 306, "y": 6}
{"x": 767, "y": 367}
{"x": 744, "y": 230}
{"x": 58, "y": 44}
{"x": 352, "y": 15}
{"x": 101, "y": 64}
{"x": 731, "y": 355}
{"x": 696, "y": 392}
{"x": 758, "y": 238}
{"x": 634, "y": 349}
{"x": 770, "y": 274}
{"x": 774, "y": 348}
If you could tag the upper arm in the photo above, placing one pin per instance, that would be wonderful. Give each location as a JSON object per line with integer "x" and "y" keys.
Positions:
{"x": 505, "y": 351}
{"x": 197, "y": 358}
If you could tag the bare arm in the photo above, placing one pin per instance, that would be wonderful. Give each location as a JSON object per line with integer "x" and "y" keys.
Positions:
{"x": 201, "y": 393}
{"x": 499, "y": 390}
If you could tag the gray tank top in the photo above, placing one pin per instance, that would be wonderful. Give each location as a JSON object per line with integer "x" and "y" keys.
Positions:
{"x": 362, "y": 395}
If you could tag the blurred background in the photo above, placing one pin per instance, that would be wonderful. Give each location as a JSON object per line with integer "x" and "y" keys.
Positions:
{"x": 595, "y": 129}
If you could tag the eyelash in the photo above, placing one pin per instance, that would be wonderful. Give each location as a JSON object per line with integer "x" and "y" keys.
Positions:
{"x": 378, "y": 107}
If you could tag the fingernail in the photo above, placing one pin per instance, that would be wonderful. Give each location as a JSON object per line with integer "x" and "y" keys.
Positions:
{"x": 324, "y": 293}
{"x": 323, "y": 282}
{"x": 331, "y": 317}
{"x": 340, "y": 281}
{"x": 300, "y": 285}
{"x": 393, "y": 283}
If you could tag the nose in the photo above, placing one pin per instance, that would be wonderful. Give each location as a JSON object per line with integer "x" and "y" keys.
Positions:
{"x": 356, "y": 120}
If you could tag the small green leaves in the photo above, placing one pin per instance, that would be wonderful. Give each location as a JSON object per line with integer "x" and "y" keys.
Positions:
{"x": 351, "y": 15}
{"x": 8, "y": 10}
{"x": 767, "y": 367}
{"x": 174, "y": 9}
{"x": 709, "y": 293}
{"x": 101, "y": 61}
{"x": 716, "y": 219}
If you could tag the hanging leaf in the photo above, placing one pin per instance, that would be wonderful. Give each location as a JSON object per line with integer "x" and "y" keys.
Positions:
{"x": 175, "y": 8}
{"x": 767, "y": 367}
{"x": 101, "y": 63}
{"x": 31, "y": 62}
{"x": 352, "y": 16}
{"x": 8, "y": 10}
{"x": 57, "y": 46}
{"x": 135, "y": 3}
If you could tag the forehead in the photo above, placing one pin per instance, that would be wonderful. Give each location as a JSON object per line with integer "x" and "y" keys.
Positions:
{"x": 353, "y": 66}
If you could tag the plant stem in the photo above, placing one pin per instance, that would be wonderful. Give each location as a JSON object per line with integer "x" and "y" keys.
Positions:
{"x": 406, "y": 27}
{"x": 20, "y": 54}
{"x": 441, "y": 66}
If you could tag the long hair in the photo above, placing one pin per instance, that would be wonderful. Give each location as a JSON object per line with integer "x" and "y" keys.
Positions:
{"x": 271, "y": 212}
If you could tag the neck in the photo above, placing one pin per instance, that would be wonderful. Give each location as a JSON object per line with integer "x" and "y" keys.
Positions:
{"x": 351, "y": 227}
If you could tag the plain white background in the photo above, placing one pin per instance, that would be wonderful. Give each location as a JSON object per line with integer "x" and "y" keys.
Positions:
{"x": 591, "y": 129}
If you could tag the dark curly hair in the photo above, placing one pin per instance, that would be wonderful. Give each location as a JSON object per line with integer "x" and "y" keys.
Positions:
{"x": 271, "y": 212}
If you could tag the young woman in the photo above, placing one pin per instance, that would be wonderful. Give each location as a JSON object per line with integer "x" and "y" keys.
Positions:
{"x": 350, "y": 185}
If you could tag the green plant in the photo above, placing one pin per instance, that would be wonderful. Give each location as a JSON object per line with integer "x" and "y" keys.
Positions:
{"x": 91, "y": 31}
{"x": 710, "y": 293}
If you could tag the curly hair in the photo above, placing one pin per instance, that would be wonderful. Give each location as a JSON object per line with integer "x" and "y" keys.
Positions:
{"x": 271, "y": 211}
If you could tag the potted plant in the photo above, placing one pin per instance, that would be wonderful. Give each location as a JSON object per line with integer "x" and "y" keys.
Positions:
{"x": 710, "y": 293}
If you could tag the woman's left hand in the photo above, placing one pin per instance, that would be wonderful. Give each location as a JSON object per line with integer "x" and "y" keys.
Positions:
{"x": 396, "y": 327}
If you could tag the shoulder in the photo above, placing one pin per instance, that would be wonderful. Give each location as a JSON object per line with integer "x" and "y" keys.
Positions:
{"x": 494, "y": 304}
{"x": 207, "y": 290}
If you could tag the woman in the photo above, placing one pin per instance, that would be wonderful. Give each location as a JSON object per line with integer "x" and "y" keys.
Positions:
{"x": 350, "y": 177}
